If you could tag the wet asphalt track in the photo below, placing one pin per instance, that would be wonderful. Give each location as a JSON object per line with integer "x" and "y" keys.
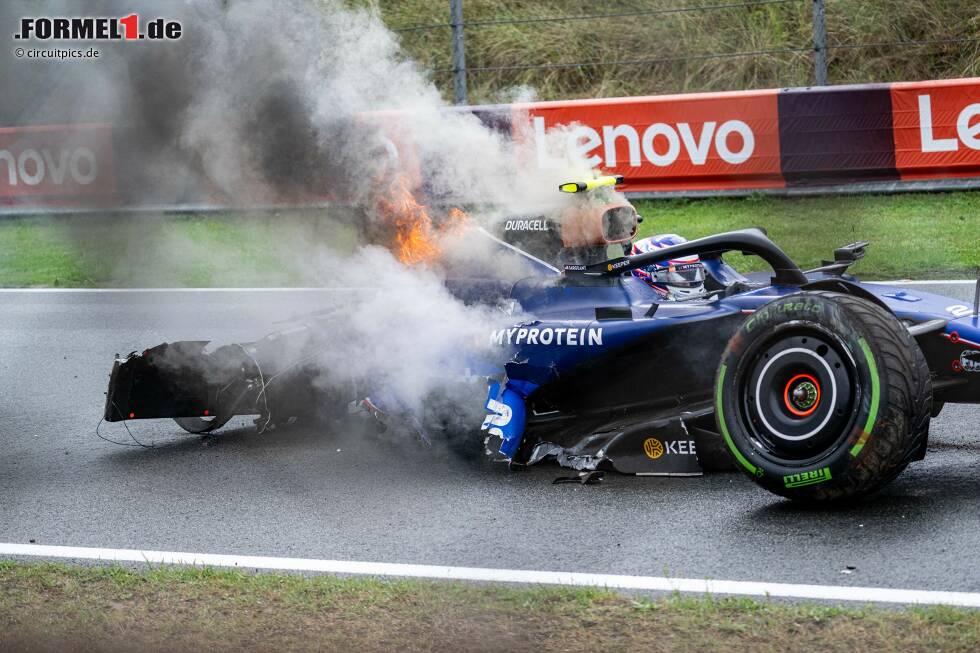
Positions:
{"x": 306, "y": 493}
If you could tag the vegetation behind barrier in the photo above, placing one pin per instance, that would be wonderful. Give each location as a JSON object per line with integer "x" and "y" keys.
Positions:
{"x": 686, "y": 51}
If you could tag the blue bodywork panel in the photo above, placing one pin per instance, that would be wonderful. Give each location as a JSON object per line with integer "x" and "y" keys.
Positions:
{"x": 577, "y": 322}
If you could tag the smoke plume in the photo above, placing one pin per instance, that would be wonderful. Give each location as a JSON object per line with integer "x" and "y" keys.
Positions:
{"x": 297, "y": 101}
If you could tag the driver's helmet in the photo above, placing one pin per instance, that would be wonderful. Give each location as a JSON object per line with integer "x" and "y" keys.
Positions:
{"x": 681, "y": 278}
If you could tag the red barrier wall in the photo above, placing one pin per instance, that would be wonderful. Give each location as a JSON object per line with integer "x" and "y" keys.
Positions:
{"x": 772, "y": 139}
{"x": 672, "y": 142}
{"x": 936, "y": 126}
{"x": 809, "y": 137}
{"x": 56, "y": 165}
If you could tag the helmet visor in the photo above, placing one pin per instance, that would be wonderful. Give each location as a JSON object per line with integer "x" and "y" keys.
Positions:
{"x": 684, "y": 275}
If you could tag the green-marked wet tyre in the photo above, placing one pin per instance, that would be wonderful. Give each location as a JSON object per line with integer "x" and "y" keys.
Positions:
{"x": 823, "y": 397}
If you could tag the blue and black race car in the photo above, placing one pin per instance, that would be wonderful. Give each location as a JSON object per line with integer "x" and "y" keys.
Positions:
{"x": 816, "y": 385}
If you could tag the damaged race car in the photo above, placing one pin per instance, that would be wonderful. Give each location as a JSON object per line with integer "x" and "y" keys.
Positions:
{"x": 818, "y": 386}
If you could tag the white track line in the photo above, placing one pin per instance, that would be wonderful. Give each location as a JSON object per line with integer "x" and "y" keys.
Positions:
{"x": 611, "y": 581}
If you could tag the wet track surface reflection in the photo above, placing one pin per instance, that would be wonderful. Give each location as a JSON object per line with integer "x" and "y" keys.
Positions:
{"x": 319, "y": 492}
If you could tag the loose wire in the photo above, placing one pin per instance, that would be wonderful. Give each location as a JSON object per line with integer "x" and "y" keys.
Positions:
{"x": 121, "y": 444}
{"x": 629, "y": 62}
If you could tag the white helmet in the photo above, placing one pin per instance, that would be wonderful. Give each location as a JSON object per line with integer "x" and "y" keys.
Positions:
{"x": 676, "y": 279}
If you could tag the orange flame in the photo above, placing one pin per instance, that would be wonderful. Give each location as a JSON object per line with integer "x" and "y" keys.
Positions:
{"x": 414, "y": 237}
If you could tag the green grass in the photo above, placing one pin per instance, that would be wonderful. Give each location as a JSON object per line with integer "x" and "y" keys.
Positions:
{"x": 275, "y": 249}
{"x": 918, "y": 236}
{"x": 53, "y": 607}
{"x": 762, "y": 27}
{"x": 32, "y": 252}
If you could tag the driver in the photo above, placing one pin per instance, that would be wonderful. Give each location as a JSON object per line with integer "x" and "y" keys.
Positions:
{"x": 674, "y": 280}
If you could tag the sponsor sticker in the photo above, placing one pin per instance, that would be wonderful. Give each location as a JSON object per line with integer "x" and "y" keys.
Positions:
{"x": 562, "y": 336}
{"x": 970, "y": 360}
{"x": 807, "y": 478}
{"x": 527, "y": 225}
{"x": 959, "y": 310}
{"x": 506, "y": 417}
{"x": 654, "y": 448}
{"x": 499, "y": 416}
{"x": 618, "y": 264}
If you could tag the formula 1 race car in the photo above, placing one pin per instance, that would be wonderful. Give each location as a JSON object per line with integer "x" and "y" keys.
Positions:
{"x": 817, "y": 386}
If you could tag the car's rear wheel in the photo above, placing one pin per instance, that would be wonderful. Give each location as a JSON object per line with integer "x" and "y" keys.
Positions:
{"x": 823, "y": 396}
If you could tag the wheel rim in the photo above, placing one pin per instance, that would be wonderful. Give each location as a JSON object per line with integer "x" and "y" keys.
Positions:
{"x": 802, "y": 395}
{"x": 798, "y": 393}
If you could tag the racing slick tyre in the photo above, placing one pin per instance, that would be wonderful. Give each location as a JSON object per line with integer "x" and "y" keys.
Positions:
{"x": 823, "y": 397}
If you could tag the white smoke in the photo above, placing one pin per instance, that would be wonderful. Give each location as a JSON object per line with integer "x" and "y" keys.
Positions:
{"x": 291, "y": 100}
{"x": 289, "y": 85}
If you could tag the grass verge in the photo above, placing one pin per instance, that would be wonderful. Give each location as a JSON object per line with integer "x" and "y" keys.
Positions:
{"x": 913, "y": 236}
{"x": 139, "y": 250}
{"x": 58, "y": 607}
{"x": 918, "y": 236}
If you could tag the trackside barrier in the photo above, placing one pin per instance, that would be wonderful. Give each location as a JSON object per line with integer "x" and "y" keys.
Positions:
{"x": 874, "y": 136}
{"x": 57, "y": 166}
{"x": 884, "y": 137}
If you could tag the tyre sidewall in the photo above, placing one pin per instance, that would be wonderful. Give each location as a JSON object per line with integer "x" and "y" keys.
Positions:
{"x": 819, "y": 313}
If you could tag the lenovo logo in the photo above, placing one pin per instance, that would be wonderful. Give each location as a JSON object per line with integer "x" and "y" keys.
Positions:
{"x": 70, "y": 161}
{"x": 31, "y": 167}
{"x": 966, "y": 133}
{"x": 660, "y": 144}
